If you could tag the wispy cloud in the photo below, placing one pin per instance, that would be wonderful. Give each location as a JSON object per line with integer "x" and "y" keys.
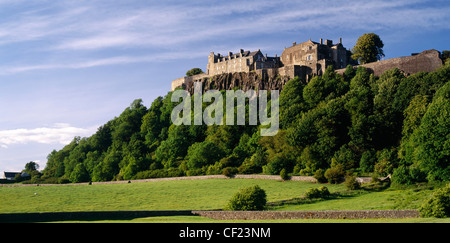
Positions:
{"x": 61, "y": 29}
{"x": 61, "y": 133}
{"x": 90, "y": 63}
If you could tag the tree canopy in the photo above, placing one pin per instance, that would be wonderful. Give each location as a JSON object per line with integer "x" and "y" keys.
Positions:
{"x": 356, "y": 123}
{"x": 194, "y": 71}
{"x": 368, "y": 48}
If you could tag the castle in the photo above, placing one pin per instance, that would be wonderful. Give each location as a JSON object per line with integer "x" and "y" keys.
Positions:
{"x": 305, "y": 60}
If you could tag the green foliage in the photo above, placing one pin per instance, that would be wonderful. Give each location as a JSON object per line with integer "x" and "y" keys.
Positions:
{"x": 368, "y": 48}
{"x": 438, "y": 205}
{"x": 351, "y": 183}
{"x": 247, "y": 199}
{"x": 319, "y": 175}
{"x": 291, "y": 102}
{"x": 429, "y": 145}
{"x": 335, "y": 174}
{"x": 229, "y": 171}
{"x": 284, "y": 175}
{"x": 402, "y": 175}
{"x": 332, "y": 125}
{"x": 321, "y": 192}
{"x": 202, "y": 154}
{"x": 79, "y": 174}
{"x": 194, "y": 71}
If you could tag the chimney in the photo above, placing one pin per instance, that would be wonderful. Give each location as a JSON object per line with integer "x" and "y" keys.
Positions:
{"x": 321, "y": 41}
{"x": 266, "y": 56}
{"x": 340, "y": 40}
{"x": 294, "y": 43}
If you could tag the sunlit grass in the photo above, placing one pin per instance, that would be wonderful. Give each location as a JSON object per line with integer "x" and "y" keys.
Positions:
{"x": 157, "y": 195}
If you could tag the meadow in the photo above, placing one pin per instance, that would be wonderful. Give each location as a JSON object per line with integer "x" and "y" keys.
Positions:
{"x": 157, "y": 195}
{"x": 203, "y": 195}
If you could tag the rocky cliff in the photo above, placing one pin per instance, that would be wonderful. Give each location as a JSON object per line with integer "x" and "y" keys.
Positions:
{"x": 243, "y": 81}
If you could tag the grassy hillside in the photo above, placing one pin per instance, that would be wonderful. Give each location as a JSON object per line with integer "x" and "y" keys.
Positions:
{"x": 158, "y": 195}
{"x": 196, "y": 195}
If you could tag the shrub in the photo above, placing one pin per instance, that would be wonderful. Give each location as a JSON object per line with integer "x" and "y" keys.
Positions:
{"x": 319, "y": 175}
{"x": 284, "y": 175}
{"x": 404, "y": 175}
{"x": 250, "y": 198}
{"x": 438, "y": 205}
{"x": 351, "y": 183}
{"x": 321, "y": 192}
{"x": 401, "y": 175}
{"x": 335, "y": 174}
{"x": 229, "y": 171}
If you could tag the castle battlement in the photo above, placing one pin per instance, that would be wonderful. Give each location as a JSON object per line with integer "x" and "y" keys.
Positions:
{"x": 304, "y": 60}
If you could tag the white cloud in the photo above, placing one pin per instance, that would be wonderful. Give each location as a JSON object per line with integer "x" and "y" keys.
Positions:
{"x": 61, "y": 133}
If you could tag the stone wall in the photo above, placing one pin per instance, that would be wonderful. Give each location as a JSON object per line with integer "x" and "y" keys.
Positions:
{"x": 344, "y": 214}
{"x": 214, "y": 214}
{"x": 426, "y": 61}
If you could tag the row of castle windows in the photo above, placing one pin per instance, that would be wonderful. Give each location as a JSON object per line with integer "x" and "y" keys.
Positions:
{"x": 308, "y": 58}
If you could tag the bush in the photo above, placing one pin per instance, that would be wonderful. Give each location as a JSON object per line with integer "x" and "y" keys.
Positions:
{"x": 401, "y": 175}
{"x": 438, "y": 205}
{"x": 250, "y": 198}
{"x": 335, "y": 174}
{"x": 351, "y": 183}
{"x": 321, "y": 192}
{"x": 229, "y": 171}
{"x": 404, "y": 175}
{"x": 319, "y": 175}
{"x": 284, "y": 175}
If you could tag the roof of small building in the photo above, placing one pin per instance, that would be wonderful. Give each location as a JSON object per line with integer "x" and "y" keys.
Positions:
{"x": 11, "y": 174}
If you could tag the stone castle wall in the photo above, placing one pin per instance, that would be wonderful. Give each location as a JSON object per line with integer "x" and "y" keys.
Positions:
{"x": 426, "y": 61}
{"x": 276, "y": 78}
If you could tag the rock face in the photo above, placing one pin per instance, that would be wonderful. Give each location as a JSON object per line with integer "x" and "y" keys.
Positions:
{"x": 242, "y": 81}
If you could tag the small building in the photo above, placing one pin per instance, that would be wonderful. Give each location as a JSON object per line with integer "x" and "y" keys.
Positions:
{"x": 10, "y": 175}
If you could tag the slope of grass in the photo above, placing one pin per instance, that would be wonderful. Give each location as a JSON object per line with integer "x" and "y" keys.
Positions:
{"x": 157, "y": 195}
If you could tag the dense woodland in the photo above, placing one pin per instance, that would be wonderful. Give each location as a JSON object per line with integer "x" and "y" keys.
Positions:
{"x": 334, "y": 125}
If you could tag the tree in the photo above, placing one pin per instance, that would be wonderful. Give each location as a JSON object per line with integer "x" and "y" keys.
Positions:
{"x": 430, "y": 142}
{"x": 194, "y": 71}
{"x": 445, "y": 55}
{"x": 291, "y": 102}
{"x": 250, "y": 198}
{"x": 202, "y": 154}
{"x": 368, "y": 48}
{"x": 30, "y": 167}
{"x": 79, "y": 174}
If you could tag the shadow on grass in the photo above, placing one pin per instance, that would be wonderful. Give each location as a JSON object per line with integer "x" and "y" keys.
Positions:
{"x": 86, "y": 216}
{"x": 346, "y": 194}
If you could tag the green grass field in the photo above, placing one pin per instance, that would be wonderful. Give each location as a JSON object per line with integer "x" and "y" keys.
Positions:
{"x": 158, "y": 195}
{"x": 200, "y": 195}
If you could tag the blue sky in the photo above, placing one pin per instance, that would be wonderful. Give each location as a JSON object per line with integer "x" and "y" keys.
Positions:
{"x": 67, "y": 67}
